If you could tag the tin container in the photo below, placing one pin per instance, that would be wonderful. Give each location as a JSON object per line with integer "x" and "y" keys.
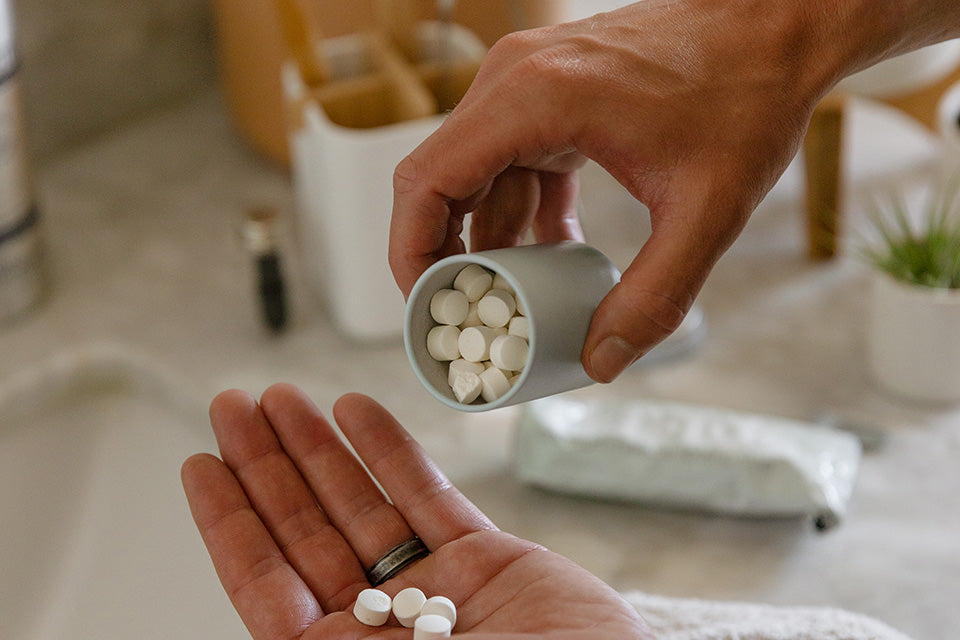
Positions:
{"x": 20, "y": 264}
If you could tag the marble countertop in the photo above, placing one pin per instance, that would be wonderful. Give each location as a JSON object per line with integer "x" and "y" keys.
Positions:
{"x": 143, "y": 248}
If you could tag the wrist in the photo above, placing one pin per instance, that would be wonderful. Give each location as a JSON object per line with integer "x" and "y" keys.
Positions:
{"x": 855, "y": 34}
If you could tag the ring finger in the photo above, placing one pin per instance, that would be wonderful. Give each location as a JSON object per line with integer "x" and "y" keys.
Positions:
{"x": 345, "y": 491}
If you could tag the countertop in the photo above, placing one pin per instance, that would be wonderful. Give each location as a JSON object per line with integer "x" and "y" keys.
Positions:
{"x": 143, "y": 251}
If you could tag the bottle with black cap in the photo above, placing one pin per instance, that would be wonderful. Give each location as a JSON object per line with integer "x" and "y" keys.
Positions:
{"x": 259, "y": 235}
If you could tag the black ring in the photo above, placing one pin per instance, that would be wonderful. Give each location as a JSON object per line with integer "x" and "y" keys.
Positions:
{"x": 396, "y": 560}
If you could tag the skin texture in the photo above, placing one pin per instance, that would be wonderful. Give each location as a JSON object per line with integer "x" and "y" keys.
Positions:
{"x": 695, "y": 106}
{"x": 291, "y": 521}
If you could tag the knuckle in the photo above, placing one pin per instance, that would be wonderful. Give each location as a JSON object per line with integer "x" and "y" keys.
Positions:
{"x": 661, "y": 310}
{"x": 406, "y": 175}
{"x": 536, "y": 56}
{"x": 513, "y": 45}
{"x": 551, "y": 67}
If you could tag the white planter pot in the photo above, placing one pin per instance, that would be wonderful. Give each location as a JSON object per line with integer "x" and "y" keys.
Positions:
{"x": 913, "y": 345}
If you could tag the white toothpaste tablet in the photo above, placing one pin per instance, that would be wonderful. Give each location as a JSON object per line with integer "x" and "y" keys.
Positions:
{"x": 407, "y": 605}
{"x": 487, "y": 364}
{"x": 519, "y": 326}
{"x": 521, "y": 309}
{"x": 467, "y": 387}
{"x": 440, "y": 606}
{"x": 495, "y": 384}
{"x": 499, "y": 282}
{"x": 474, "y": 343}
{"x": 474, "y": 281}
{"x": 443, "y": 342}
{"x": 460, "y": 365}
{"x": 496, "y": 308}
{"x": 509, "y": 352}
{"x": 473, "y": 317}
{"x": 431, "y": 627}
{"x": 449, "y": 306}
{"x": 372, "y": 607}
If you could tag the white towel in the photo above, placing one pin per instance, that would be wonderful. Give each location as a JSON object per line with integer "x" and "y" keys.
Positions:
{"x": 688, "y": 619}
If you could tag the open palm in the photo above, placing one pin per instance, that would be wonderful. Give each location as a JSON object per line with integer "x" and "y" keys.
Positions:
{"x": 292, "y": 519}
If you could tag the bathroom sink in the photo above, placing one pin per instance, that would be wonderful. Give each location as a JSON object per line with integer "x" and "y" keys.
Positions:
{"x": 97, "y": 541}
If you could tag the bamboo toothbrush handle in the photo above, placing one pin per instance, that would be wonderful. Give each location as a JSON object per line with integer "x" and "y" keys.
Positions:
{"x": 302, "y": 37}
{"x": 398, "y": 20}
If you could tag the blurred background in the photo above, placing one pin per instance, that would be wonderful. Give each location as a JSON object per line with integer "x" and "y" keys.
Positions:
{"x": 94, "y": 64}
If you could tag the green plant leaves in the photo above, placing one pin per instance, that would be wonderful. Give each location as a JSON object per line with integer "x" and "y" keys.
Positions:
{"x": 928, "y": 256}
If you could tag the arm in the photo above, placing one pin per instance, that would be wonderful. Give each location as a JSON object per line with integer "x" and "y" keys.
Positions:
{"x": 695, "y": 107}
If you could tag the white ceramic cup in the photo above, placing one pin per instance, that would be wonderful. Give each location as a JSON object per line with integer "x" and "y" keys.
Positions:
{"x": 559, "y": 285}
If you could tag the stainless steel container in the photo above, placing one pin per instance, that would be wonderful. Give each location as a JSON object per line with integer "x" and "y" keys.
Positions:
{"x": 20, "y": 262}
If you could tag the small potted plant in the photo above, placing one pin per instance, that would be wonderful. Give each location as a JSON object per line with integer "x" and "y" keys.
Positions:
{"x": 913, "y": 345}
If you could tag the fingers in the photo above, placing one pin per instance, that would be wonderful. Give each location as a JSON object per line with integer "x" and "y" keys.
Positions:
{"x": 521, "y": 199}
{"x": 266, "y": 591}
{"x": 454, "y": 169}
{"x": 658, "y": 288}
{"x": 292, "y": 511}
{"x": 348, "y": 495}
{"x": 433, "y": 507}
{"x": 646, "y": 306}
{"x": 284, "y": 502}
{"x": 428, "y": 184}
{"x": 558, "y": 217}
{"x": 504, "y": 216}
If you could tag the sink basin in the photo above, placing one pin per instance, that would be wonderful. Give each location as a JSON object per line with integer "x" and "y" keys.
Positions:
{"x": 97, "y": 541}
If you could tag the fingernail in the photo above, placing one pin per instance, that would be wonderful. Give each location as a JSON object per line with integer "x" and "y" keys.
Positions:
{"x": 611, "y": 357}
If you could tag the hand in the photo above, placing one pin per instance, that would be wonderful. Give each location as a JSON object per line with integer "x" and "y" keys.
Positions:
{"x": 695, "y": 107}
{"x": 292, "y": 520}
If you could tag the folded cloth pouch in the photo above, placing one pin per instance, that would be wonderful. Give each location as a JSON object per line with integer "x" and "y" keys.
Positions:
{"x": 689, "y": 457}
{"x": 687, "y": 619}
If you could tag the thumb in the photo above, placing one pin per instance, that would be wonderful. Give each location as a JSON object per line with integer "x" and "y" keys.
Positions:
{"x": 656, "y": 291}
